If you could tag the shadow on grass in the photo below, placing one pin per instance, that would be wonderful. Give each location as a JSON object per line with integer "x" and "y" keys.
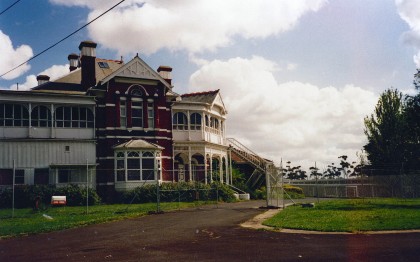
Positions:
{"x": 360, "y": 205}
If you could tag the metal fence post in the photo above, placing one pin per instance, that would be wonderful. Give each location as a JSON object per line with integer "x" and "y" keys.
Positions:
{"x": 13, "y": 190}
{"x": 87, "y": 187}
{"x": 157, "y": 193}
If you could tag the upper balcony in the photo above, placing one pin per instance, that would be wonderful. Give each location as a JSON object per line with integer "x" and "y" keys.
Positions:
{"x": 41, "y": 121}
{"x": 198, "y": 127}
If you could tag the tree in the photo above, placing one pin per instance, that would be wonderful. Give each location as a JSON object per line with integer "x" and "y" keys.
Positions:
{"x": 332, "y": 172}
{"x": 345, "y": 166}
{"x": 412, "y": 117}
{"x": 358, "y": 168}
{"x": 294, "y": 172}
{"x": 314, "y": 172}
{"x": 386, "y": 132}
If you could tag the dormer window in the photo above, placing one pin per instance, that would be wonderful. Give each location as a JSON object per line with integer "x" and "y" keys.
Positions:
{"x": 103, "y": 64}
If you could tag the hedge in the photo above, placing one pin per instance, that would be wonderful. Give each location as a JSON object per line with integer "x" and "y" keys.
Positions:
{"x": 26, "y": 195}
{"x": 182, "y": 191}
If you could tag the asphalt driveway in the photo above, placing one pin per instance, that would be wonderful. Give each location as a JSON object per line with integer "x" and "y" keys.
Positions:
{"x": 205, "y": 234}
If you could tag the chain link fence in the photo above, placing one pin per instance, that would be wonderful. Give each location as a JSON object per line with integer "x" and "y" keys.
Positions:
{"x": 401, "y": 186}
{"x": 22, "y": 186}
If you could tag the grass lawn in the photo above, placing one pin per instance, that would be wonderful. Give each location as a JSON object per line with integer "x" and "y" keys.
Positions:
{"x": 351, "y": 215}
{"x": 26, "y": 221}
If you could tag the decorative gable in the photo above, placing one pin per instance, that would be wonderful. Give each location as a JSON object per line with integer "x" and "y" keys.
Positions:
{"x": 137, "y": 68}
{"x": 219, "y": 102}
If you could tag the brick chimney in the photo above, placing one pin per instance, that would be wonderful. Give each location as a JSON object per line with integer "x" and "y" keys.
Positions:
{"x": 73, "y": 61}
{"x": 165, "y": 73}
{"x": 42, "y": 79}
{"x": 87, "y": 59}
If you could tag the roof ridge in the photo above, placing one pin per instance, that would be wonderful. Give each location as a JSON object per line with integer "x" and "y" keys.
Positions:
{"x": 110, "y": 60}
{"x": 201, "y": 93}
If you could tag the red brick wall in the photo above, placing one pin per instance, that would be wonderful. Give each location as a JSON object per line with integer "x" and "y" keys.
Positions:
{"x": 109, "y": 117}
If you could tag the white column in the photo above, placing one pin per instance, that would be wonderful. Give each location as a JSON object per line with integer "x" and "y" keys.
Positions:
{"x": 52, "y": 121}
{"x": 211, "y": 168}
{"x": 221, "y": 169}
{"x": 30, "y": 120}
{"x": 205, "y": 168}
{"x": 189, "y": 163}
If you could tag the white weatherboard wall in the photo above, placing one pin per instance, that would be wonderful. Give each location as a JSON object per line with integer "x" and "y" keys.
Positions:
{"x": 41, "y": 154}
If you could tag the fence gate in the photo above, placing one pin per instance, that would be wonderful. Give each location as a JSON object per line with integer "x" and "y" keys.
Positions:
{"x": 274, "y": 181}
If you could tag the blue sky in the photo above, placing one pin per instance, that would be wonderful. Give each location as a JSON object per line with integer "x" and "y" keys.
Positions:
{"x": 297, "y": 77}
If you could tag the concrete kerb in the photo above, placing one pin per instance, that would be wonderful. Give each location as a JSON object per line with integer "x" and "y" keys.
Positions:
{"x": 256, "y": 223}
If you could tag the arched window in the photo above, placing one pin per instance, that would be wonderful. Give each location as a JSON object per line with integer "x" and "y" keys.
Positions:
{"x": 179, "y": 121}
{"x": 41, "y": 116}
{"x": 207, "y": 120}
{"x": 195, "y": 121}
{"x": 136, "y": 92}
{"x": 216, "y": 123}
{"x": 13, "y": 115}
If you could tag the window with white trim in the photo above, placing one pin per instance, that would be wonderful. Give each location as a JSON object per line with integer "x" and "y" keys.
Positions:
{"x": 195, "y": 121}
{"x": 150, "y": 114}
{"x": 137, "y": 165}
{"x": 41, "y": 116}
{"x": 179, "y": 121}
{"x": 137, "y": 113}
{"x": 73, "y": 116}
{"x": 148, "y": 166}
{"x": 13, "y": 115}
{"x": 120, "y": 166}
{"x": 123, "y": 113}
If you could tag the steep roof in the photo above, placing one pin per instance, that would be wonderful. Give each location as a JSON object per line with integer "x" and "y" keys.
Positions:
{"x": 212, "y": 98}
{"x": 72, "y": 81}
{"x": 75, "y": 76}
{"x": 105, "y": 70}
{"x": 201, "y": 97}
{"x": 136, "y": 68}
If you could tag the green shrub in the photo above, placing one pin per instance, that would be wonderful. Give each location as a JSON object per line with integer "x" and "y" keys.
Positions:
{"x": 26, "y": 195}
{"x": 181, "y": 191}
{"x": 294, "y": 191}
{"x": 261, "y": 193}
{"x": 76, "y": 196}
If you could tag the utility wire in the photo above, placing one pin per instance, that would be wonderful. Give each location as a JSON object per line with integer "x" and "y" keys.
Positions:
{"x": 4, "y": 11}
{"x": 45, "y": 50}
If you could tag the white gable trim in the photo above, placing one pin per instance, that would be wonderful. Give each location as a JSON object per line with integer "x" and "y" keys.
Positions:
{"x": 136, "y": 68}
{"x": 219, "y": 102}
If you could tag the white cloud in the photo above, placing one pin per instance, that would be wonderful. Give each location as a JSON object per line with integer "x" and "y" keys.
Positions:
{"x": 11, "y": 57}
{"x": 53, "y": 72}
{"x": 194, "y": 26}
{"x": 295, "y": 121}
{"x": 409, "y": 11}
{"x": 291, "y": 66}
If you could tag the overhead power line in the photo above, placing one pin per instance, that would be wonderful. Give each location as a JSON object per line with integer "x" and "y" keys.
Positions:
{"x": 45, "y": 50}
{"x": 10, "y": 6}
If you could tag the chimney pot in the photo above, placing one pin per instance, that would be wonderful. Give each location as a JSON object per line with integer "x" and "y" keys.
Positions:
{"x": 73, "y": 61}
{"x": 88, "y": 48}
{"x": 42, "y": 79}
{"x": 165, "y": 73}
